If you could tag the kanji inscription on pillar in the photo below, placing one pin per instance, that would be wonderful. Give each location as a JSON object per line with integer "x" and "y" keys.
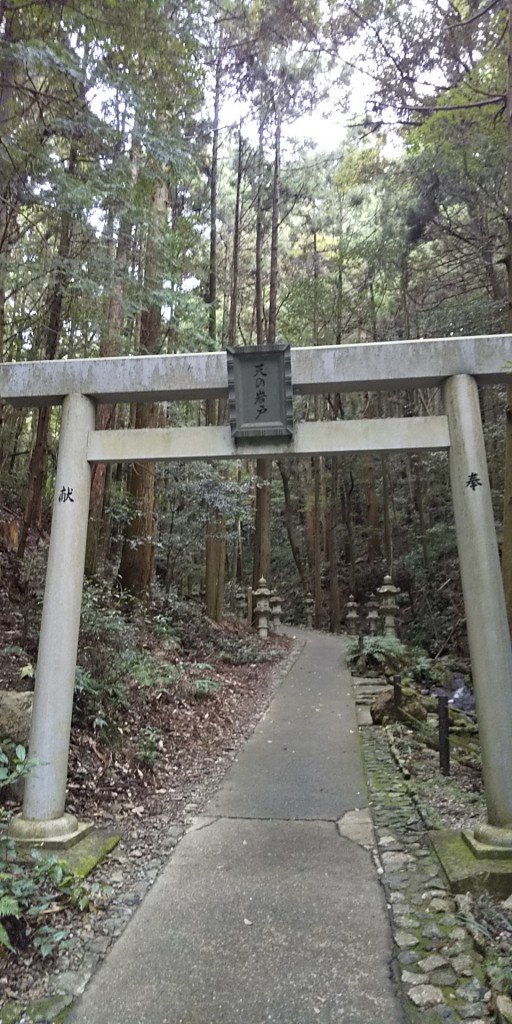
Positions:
{"x": 473, "y": 481}
{"x": 65, "y": 494}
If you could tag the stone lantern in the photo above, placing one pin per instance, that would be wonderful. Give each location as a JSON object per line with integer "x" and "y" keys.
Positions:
{"x": 262, "y": 595}
{"x": 275, "y": 612}
{"x": 352, "y": 616}
{"x": 241, "y": 604}
{"x": 372, "y": 615}
{"x": 388, "y": 606}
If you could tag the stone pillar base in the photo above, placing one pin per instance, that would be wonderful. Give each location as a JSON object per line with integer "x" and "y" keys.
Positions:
{"x": 52, "y": 834}
{"x": 489, "y": 842}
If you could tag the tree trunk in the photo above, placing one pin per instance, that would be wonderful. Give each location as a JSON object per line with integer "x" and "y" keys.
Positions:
{"x": 372, "y": 511}
{"x": 105, "y": 414}
{"x": 347, "y": 492}
{"x": 262, "y": 542}
{"x": 215, "y": 554}
{"x": 372, "y": 506}
{"x": 388, "y": 539}
{"x": 506, "y": 560}
{"x": 420, "y": 509}
{"x": 317, "y": 541}
{"x": 33, "y": 504}
{"x": 236, "y": 247}
{"x": 258, "y": 270}
{"x": 261, "y": 560}
{"x": 274, "y": 242}
{"x": 136, "y": 568}
{"x": 290, "y": 526}
{"x": 317, "y": 467}
{"x": 334, "y": 588}
{"x": 308, "y": 512}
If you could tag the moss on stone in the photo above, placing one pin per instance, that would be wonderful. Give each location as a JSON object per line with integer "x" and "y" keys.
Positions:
{"x": 52, "y": 1010}
{"x": 85, "y": 855}
{"x": 465, "y": 872}
{"x": 11, "y": 1013}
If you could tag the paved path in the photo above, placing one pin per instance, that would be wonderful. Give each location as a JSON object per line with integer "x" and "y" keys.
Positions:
{"x": 270, "y": 909}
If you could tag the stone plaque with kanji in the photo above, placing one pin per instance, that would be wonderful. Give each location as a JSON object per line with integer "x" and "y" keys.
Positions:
{"x": 260, "y": 392}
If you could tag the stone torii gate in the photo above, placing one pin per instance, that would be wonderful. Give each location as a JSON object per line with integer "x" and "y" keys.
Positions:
{"x": 455, "y": 364}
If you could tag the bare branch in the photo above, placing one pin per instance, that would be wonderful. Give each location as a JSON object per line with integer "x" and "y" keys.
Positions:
{"x": 492, "y": 102}
{"x": 475, "y": 17}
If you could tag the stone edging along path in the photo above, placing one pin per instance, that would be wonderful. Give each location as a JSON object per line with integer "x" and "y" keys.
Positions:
{"x": 435, "y": 961}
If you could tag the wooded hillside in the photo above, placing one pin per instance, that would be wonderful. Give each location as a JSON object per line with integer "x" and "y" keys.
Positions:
{"x": 159, "y": 193}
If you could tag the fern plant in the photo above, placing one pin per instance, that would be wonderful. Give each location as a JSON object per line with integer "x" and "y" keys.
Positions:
{"x": 386, "y": 654}
{"x": 9, "y": 907}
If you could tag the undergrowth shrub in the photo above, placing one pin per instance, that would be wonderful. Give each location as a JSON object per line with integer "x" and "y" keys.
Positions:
{"x": 14, "y": 763}
{"x": 246, "y": 651}
{"x": 149, "y": 671}
{"x": 383, "y": 654}
{"x": 106, "y": 640}
{"x": 149, "y": 746}
{"x": 30, "y": 889}
{"x": 98, "y": 702}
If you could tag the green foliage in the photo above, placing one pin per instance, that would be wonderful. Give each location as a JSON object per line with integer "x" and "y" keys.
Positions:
{"x": 498, "y": 967}
{"x": 98, "y": 701}
{"x": 81, "y": 893}
{"x": 205, "y": 687}
{"x": 29, "y": 890}
{"x": 149, "y": 746}
{"x": 162, "y": 627}
{"x": 14, "y": 763}
{"x": 385, "y": 654}
{"x": 375, "y": 242}
{"x": 246, "y": 651}
{"x": 105, "y": 640}
{"x": 102, "y": 622}
{"x": 151, "y": 672}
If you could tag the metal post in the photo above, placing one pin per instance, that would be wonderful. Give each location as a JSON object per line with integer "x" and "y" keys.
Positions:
{"x": 43, "y": 817}
{"x": 486, "y": 617}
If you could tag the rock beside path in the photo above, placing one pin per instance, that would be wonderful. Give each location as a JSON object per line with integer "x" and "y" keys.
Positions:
{"x": 15, "y": 716}
{"x": 383, "y": 709}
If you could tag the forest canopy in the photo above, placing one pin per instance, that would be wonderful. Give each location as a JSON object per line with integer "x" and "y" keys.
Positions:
{"x": 181, "y": 177}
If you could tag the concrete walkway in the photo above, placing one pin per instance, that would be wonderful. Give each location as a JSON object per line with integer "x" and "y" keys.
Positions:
{"x": 270, "y": 910}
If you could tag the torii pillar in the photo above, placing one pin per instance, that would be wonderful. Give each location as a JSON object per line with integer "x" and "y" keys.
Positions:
{"x": 43, "y": 818}
{"x": 484, "y": 600}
